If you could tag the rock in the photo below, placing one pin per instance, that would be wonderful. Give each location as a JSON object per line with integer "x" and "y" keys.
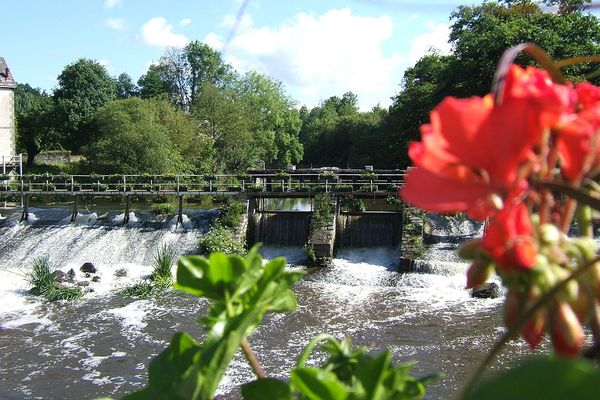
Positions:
{"x": 88, "y": 267}
{"x": 59, "y": 276}
{"x": 96, "y": 279}
{"x": 121, "y": 272}
{"x": 488, "y": 290}
{"x": 83, "y": 284}
{"x": 71, "y": 275}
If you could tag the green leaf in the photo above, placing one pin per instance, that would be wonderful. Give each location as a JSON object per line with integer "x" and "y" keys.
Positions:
{"x": 371, "y": 372}
{"x": 170, "y": 374}
{"x": 266, "y": 389}
{"x": 317, "y": 384}
{"x": 548, "y": 379}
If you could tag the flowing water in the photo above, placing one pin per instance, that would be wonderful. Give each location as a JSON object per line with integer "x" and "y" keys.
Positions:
{"x": 101, "y": 345}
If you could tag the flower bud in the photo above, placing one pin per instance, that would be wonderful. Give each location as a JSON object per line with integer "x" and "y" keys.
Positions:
{"x": 471, "y": 250}
{"x": 549, "y": 234}
{"x": 478, "y": 273}
{"x": 511, "y": 308}
{"x": 567, "y": 333}
{"x": 534, "y": 328}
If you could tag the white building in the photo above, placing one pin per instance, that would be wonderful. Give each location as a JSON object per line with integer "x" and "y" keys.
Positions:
{"x": 7, "y": 115}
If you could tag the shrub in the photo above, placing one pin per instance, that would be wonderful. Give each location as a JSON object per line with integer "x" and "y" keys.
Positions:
{"x": 353, "y": 204}
{"x": 343, "y": 188}
{"x": 220, "y": 239}
{"x": 231, "y": 214}
{"x": 323, "y": 211}
{"x": 164, "y": 208}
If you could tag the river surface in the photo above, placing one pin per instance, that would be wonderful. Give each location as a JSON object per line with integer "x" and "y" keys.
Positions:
{"x": 101, "y": 344}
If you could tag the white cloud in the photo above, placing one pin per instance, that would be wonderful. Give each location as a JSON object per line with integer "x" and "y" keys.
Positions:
{"x": 436, "y": 38}
{"x": 106, "y": 64}
{"x": 322, "y": 56}
{"x": 185, "y": 22}
{"x": 117, "y": 24}
{"x": 244, "y": 23}
{"x": 112, "y": 3}
{"x": 158, "y": 32}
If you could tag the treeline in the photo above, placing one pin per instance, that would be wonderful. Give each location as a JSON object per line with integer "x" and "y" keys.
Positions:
{"x": 192, "y": 112}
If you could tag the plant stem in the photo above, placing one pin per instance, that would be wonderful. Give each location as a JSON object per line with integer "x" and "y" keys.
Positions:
{"x": 516, "y": 328}
{"x": 251, "y": 357}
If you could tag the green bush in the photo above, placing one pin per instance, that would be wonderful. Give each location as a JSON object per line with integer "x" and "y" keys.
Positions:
{"x": 323, "y": 211}
{"x": 221, "y": 239}
{"x": 353, "y": 204}
{"x": 231, "y": 214}
{"x": 164, "y": 208}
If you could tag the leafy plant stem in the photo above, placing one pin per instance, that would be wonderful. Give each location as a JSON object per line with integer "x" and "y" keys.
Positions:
{"x": 252, "y": 359}
{"x": 516, "y": 328}
{"x": 310, "y": 347}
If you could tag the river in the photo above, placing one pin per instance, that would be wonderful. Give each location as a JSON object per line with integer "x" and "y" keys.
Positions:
{"x": 101, "y": 344}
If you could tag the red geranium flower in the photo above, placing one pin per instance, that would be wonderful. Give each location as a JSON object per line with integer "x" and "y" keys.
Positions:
{"x": 471, "y": 153}
{"x": 509, "y": 240}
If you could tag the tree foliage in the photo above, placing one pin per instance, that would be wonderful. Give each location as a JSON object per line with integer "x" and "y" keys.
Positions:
{"x": 83, "y": 87}
{"x": 479, "y": 35}
{"x": 144, "y": 136}
{"x": 34, "y": 111}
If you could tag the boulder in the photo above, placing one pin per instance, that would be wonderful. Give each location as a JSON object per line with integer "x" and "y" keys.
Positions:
{"x": 488, "y": 290}
{"x": 96, "y": 279}
{"x": 83, "y": 284}
{"x": 88, "y": 267}
{"x": 121, "y": 272}
{"x": 71, "y": 275}
{"x": 59, "y": 276}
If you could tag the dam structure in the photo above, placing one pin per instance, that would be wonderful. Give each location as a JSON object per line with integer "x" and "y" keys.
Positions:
{"x": 353, "y": 229}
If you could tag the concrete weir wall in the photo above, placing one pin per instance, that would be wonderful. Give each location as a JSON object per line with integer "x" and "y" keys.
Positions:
{"x": 343, "y": 230}
{"x": 322, "y": 241}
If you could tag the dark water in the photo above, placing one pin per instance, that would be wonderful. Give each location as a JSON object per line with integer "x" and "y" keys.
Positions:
{"x": 100, "y": 345}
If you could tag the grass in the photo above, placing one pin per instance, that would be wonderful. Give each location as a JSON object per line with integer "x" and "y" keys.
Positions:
{"x": 43, "y": 284}
{"x": 164, "y": 258}
{"x": 161, "y": 278}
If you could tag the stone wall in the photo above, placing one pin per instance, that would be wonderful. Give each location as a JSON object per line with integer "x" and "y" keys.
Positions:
{"x": 7, "y": 122}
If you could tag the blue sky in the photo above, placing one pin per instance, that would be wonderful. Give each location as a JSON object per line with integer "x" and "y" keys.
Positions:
{"x": 317, "y": 48}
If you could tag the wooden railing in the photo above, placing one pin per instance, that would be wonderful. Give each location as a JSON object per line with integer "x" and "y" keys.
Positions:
{"x": 255, "y": 182}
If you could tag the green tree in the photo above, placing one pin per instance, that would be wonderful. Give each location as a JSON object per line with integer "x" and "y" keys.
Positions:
{"x": 83, "y": 87}
{"x": 132, "y": 140}
{"x": 275, "y": 122}
{"x": 34, "y": 112}
{"x": 182, "y": 73}
{"x": 124, "y": 86}
{"x": 479, "y": 36}
{"x": 154, "y": 83}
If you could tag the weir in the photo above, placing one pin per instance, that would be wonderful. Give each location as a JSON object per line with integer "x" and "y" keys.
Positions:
{"x": 281, "y": 228}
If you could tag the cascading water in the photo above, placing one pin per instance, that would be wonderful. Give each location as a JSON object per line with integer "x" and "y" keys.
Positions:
{"x": 287, "y": 228}
{"x": 374, "y": 229}
{"x": 101, "y": 345}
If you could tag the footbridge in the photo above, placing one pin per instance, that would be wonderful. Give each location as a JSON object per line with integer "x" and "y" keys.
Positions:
{"x": 344, "y": 228}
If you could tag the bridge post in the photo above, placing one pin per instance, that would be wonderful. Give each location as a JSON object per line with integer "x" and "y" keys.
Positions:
{"x": 180, "y": 212}
{"x": 25, "y": 212}
{"x": 75, "y": 209}
{"x": 127, "y": 207}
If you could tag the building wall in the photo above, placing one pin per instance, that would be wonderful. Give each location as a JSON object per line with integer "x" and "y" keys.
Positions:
{"x": 7, "y": 122}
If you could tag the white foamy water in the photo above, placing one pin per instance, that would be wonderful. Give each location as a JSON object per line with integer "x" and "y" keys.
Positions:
{"x": 101, "y": 345}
